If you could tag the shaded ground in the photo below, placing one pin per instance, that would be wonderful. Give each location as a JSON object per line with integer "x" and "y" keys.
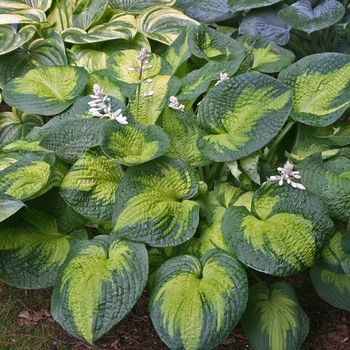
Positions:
{"x": 25, "y": 323}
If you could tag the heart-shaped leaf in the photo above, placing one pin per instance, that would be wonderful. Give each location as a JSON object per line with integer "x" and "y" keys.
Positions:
{"x": 162, "y": 24}
{"x": 108, "y": 275}
{"x": 90, "y": 185}
{"x": 301, "y": 15}
{"x": 196, "y": 304}
{"x": 234, "y": 114}
{"x": 8, "y": 206}
{"x": 273, "y": 318}
{"x": 11, "y": 40}
{"x": 321, "y": 87}
{"x": 32, "y": 249}
{"x": 23, "y": 16}
{"x": 330, "y": 181}
{"x": 154, "y": 203}
{"x": 52, "y": 89}
{"x": 87, "y": 12}
{"x": 283, "y": 234}
{"x": 148, "y": 142}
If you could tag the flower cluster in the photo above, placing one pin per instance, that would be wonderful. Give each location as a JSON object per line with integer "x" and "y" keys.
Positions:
{"x": 99, "y": 107}
{"x": 175, "y": 104}
{"x": 287, "y": 173}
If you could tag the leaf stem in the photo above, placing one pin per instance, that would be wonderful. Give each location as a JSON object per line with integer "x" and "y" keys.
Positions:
{"x": 255, "y": 275}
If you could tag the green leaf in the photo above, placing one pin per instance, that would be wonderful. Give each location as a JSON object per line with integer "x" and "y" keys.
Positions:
{"x": 136, "y": 6}
{"x": 8, "y": 206}
{"x": 196, "y": 304}
{"x": 16, "y": 125}
{"x": 23, "y": 16}
{"x": 183, "y": 131}
{"x": 273, "y": 319}
{"x": 29, "y": 176}
{"x": 162, "y": 24}
{"x": 267, "y": 56}
{"x": 236, "y": 113}
{"x": 87, "y": 12}
{"x": 148, "y": 142}
{"x": 330, "y": 181}
{"x": 32, "y": 249}
{"x": 301, "y": 15}
{"x": 283, "y": 234}
{"x": 70, "y": 138}
{"x": 154, "y": 203}
{"x": 11, "y": 40}
{"x": 98, "y": 285}
{"x": 120, "y": 26}
{"x": 52, "y": 89}
{"x": 321, "y": 87}
{"x": 264, "y": 22}
{"x": 90, "y": 185}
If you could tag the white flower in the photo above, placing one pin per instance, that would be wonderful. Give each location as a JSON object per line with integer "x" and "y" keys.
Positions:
{"x": 287, "y": 173}
{"x": 143, "y": 55}
{"x": 175, "y": 104}
{"x": 117, "y": 115}
{"x": 223, "y": 76}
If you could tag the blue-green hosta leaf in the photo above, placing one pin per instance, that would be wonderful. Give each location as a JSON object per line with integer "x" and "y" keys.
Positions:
{"x": 90, "y": 185}
{"x": 98, "y": 285}
{"x": 301, "y": 15}
{"x": 70, "y": 138}
{"x": 16, "y": 125}
{"x": 266, "y": 24}
{"x": 195, "y": 304}
{"x": 330, "y": 181}
{"x": 205, "y": 42}
{"x": 273, "y": 319}
{"x": 87, "y": 12}
{"x": 30, "y": 176}
{"x": 148, "y": 142}
{"x": 154, "y": 203}
{"x": 283, "y": 234}
{"x": 241, "y": 115}
{"x": 136, "y": 6}
{"x": 24, "y": 16}
{"x": 120, "y": 26}
{"x": 332, "y": 287}
{"x": 162, "y": 24}
{"x": 321, "y": 87}
{"x": 11, "y": 40}
{"x": 8, "y": 206}
{"x": 32, "y": 249}
{"x": 183, "y": 131}
{"x": 52, "y": 89}
{"x": 267, "y": 56}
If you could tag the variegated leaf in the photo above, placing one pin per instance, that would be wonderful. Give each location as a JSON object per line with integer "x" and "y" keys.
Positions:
{"x": 11, "y": 40}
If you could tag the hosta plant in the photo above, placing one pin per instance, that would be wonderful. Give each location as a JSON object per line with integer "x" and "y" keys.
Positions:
{"x": 145, "y": 150}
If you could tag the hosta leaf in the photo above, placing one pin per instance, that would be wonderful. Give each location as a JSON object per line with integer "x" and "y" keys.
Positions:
{"x": 30, "y": 176}
{"x": 52, "y": 89}
{"x": 163, "y": 24}
{"x": 283, "y": 234}
{"x": 332, "y": 287}
{"x": 136, "y": 6}
{"x": 154, "y": 203}
{"x": 241, "y": 115}
{"x": 183, "y": 131}
{"x": 321, "y": 84}
{"x": 16, "y": 125}
{"x": 196, "y": 304}
{"x": 120, "y": 26}
{"x": 267, "y": 56}
{"x": 87, "y": 12}
{"x": 330, "y": 181}
{"x": 90, "y": 185}
{"x": 266, "y": 24}
{"x": 273, "y": 319}
{"x": 301, "y": 15}
{"x": 8, "y": 206}
{"x": 11, "y": 40}
{"x": 148, "y": 142}
{"x": 32, "y": 249}
{"x": 56, "y": 11}
{"x": 98, "y": 285}
{"x": 70, "y": 138}
{"x": 226, "y": 193}
{"x": 24, "y": 16}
